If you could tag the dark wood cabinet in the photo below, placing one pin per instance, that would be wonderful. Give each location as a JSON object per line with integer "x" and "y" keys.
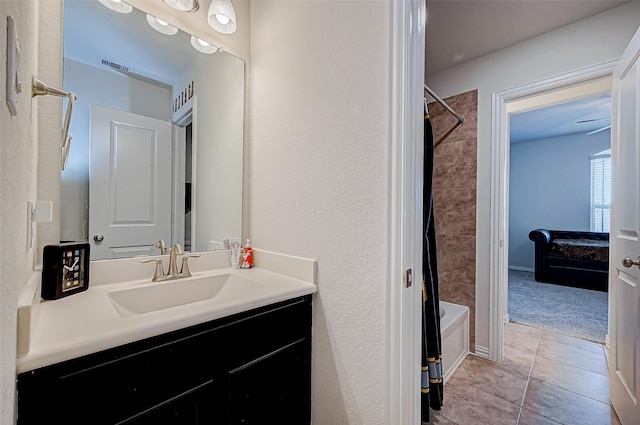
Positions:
{"x": 250, "y": 368}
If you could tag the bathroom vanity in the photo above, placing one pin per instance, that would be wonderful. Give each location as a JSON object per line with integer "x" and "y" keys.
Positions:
{"x": 240, "y": 356}
{"x": 249, "y": 368}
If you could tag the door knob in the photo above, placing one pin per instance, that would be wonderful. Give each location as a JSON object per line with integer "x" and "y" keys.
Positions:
{"x": 628, "y": 262}
{"x": 98, "y": 237}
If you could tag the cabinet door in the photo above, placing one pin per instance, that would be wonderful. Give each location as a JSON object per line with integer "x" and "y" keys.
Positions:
{"x": 272, "y": 389}
{"x": 198, "y": 406}
{"x": 110, "y": 389}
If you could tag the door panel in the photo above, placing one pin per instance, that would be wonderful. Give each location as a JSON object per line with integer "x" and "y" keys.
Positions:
{"x": 129, "y": 183}
{"x": 623, "y": 276}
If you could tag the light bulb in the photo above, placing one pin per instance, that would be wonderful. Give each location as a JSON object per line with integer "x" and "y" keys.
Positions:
{"x": 222, "y": 16}
{"x": 223, "y": 19}
{"x": 203, "y": 46}
{"x": 161, "y": 26}
{"x": 117, "y": 6}
{"x": 183, "y": 5}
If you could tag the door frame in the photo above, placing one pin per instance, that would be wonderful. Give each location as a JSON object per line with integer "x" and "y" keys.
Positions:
{"x": 500, "y": 110}
{"x": 181, "y": 118}
{"x": 404, "y": 252}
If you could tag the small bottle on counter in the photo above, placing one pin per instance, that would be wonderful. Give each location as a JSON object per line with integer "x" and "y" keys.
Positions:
{"x": 234, "y": 247}
{"x": 247, "y": 256}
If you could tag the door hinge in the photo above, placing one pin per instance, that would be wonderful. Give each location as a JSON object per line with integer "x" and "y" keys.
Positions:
{"x": 409, "y": 278}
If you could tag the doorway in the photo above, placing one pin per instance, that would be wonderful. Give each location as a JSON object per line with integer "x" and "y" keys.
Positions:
{"x": 587, "y": 82}
{"x": 559, "y": 199}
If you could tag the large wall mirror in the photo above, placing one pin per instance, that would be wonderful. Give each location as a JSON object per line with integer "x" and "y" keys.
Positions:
{"x": 157, "y": 135}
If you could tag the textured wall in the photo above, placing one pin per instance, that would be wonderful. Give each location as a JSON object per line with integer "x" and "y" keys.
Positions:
{"x": 454, "y": 198}
{"x": 20, "y": 139}
{"x": 319, "y": 172}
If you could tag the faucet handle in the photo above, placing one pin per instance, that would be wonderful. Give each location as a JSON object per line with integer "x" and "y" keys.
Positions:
{"x": 161, "y": 246}
{"x": 158, "y": 274}
{"x": 184, "y": 270}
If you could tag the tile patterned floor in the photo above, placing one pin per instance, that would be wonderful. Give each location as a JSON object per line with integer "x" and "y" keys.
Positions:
{"x": 546, "y": 379}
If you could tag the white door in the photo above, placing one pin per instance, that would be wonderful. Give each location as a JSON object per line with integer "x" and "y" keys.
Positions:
{"x": 129, "y": 183}
{"x": 624, "y": 277}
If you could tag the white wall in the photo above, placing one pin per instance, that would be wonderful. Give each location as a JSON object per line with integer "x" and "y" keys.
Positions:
{"x": 591, "y": 41}
{"x": 22, "y": 139}
{"x": 550, "y": 188}
{"x": 107, "y": 88}
{"x": 219, "y": 87}
{"x": 319, "y": 171}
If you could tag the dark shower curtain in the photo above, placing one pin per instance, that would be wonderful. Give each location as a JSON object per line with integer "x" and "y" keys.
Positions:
{"x": 431, "y": 349}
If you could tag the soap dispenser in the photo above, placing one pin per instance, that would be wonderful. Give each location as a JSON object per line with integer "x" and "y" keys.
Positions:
{"x": 247, "y": 256}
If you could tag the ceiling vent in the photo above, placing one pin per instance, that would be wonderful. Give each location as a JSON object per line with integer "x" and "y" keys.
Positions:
{"x": 129, "y": 71}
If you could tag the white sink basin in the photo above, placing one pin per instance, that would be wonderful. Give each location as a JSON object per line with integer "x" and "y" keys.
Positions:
{"x": 174, "y": 293}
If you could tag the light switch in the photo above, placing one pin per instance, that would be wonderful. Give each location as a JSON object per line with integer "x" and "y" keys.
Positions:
{"x": 38, "y": 212}
{"x": 14, "y": 87}
{"x": 43, "y": 212}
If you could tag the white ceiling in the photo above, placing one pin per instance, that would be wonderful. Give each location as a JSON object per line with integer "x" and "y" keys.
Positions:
{"x": 461, "y": 30}
{"x": 92, "y": 33}
{"x": 577, "y": 117}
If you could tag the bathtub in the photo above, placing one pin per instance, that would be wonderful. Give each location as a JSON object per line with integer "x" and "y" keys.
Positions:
{"x": 454, "y": 330}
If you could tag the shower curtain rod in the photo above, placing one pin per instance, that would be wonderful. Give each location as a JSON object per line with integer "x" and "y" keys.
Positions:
{"x": 448, "y": 108}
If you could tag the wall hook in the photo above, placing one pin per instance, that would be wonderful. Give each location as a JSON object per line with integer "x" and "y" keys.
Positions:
{"x": 39, "y": 88}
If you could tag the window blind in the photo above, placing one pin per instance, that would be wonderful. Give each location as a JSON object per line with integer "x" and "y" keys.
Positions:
{"x": 601, "y": 191}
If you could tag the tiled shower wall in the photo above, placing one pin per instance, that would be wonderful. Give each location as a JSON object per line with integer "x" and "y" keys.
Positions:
{"x": 454, "y": 194}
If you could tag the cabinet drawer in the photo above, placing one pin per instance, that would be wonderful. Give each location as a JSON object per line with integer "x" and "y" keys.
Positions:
{"x": 261, "y": 334}
{"x": 121, "y": 387}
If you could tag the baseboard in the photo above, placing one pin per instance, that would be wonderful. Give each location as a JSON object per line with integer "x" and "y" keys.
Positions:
{"x": 482, "y": 352}
{"x": 522, "y": 269}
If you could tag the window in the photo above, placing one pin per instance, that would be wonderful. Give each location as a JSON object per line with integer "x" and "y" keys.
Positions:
{"x": 600, "y": 191}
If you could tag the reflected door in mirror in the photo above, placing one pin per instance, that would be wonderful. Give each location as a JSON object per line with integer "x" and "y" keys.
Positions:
{"x": 129, "y": 183}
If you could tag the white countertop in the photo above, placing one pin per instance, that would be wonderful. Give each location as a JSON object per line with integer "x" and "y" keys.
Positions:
{"x": 88, "y": 322}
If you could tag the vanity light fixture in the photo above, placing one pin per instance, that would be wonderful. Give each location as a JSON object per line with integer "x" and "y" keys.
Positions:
{"x": 117, "y": 5}
{"x": 203, "y": 46}
{"x": 184, "y": 5}
{"x": 222, "y": 16}
{"x": 161, "y": 26}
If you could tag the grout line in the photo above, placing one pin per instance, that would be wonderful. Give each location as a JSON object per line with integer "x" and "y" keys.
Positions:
{"x": 526, "y": 387}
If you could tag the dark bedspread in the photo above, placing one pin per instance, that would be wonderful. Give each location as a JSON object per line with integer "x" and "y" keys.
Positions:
{"x": 584, "y": 249}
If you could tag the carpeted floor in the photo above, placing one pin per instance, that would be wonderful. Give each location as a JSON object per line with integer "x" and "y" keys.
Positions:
{"x": 576, "y": 312}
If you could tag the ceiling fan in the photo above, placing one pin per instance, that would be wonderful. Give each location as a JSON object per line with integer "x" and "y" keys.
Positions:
{"x": 599, "y": 129}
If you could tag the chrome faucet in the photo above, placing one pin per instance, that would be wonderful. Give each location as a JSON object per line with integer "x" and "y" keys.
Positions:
{"x": 161, "y": 246}
{"x": 172, "y": 273}
{"x": 176, "y": 250}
